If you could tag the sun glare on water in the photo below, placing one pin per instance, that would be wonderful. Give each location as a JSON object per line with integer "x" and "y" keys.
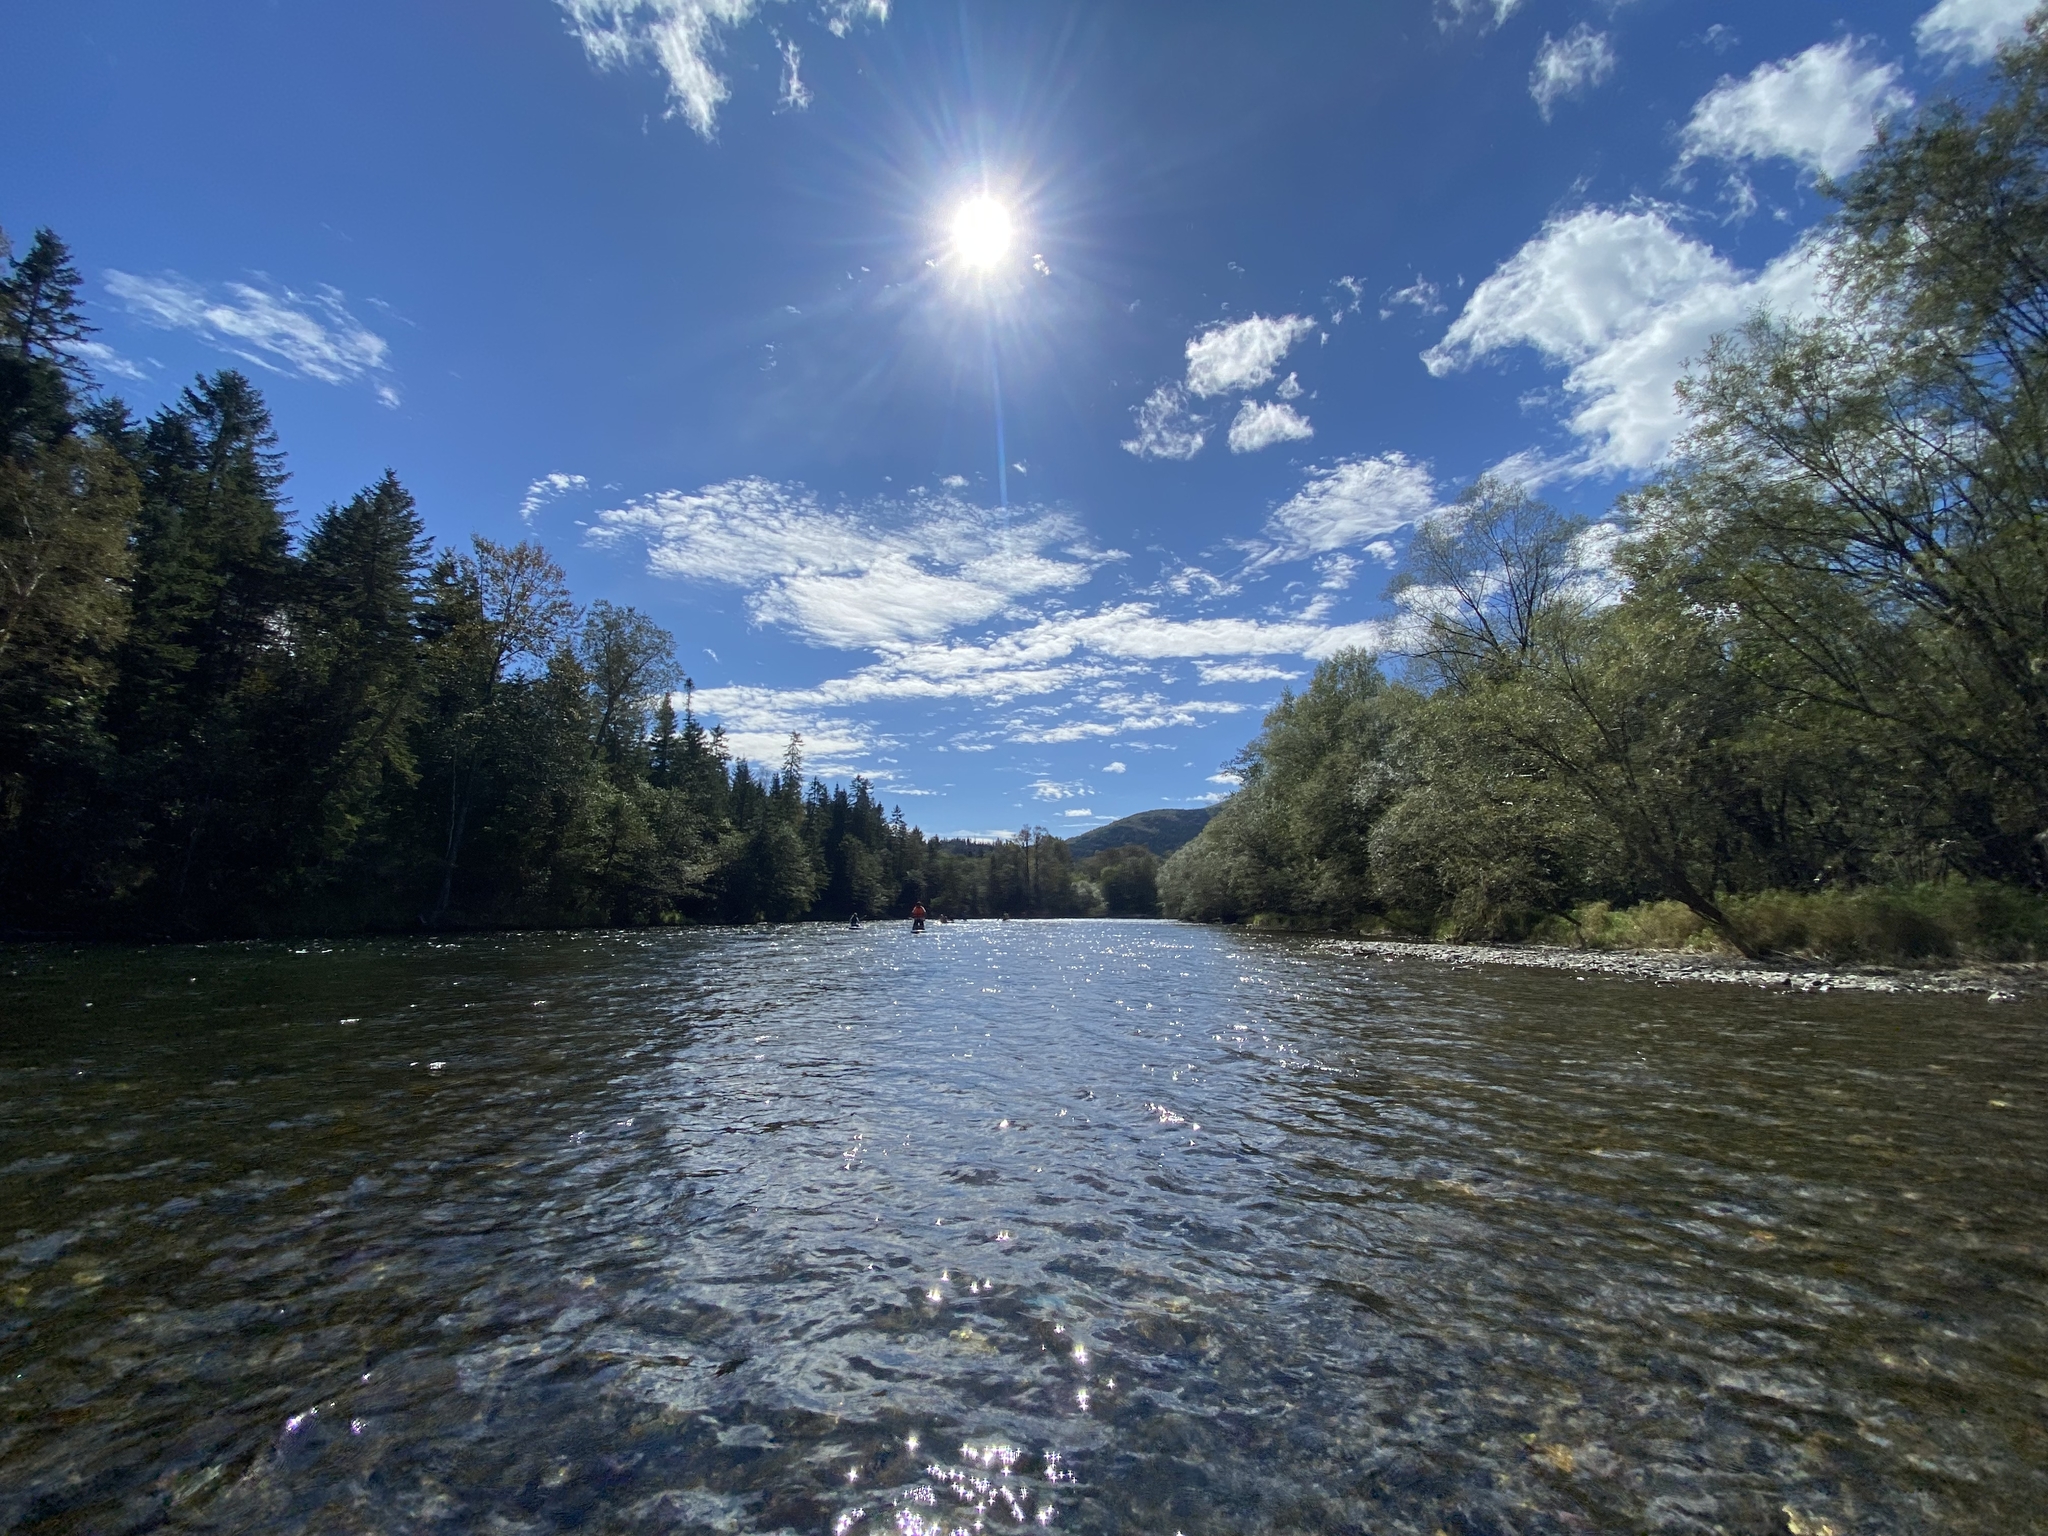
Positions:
{"x": 982, "y": 232}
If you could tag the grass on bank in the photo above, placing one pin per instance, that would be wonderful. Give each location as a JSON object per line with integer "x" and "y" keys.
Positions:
{"x": 1930, "y": 924}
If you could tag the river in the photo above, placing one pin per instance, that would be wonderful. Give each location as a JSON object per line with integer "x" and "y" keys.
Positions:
{"x": 1079, "y": 1227}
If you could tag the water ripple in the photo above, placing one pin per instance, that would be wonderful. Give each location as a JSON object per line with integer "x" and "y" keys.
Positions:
{"x": 1077, "y": 1227}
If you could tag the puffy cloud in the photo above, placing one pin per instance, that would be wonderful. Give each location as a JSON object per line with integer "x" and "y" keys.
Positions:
{"x": 546, "y": 489}
{"x": 1971, "y": 31}
{"x": 899, "y": 574}
{"x": 1262, "y": 423}
{"x": 1818, "y": 109}
{"x": 309, "y": 335}
{"x": 1353, "y": 501}
{"x": 1227, "y": 359}
{"x": 1116, "y": 767}
{"x": 1048, "y": 789}
{"x": 1167, "y": 429}
{"x": 680, "y": 36}
{"x": 1568, "y": 65}
{"x": 1623, "y": 300}
{"x": 1243, "y": 672}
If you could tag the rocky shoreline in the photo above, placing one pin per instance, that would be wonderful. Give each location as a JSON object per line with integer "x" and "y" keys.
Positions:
{"x": 1992, "y": 983}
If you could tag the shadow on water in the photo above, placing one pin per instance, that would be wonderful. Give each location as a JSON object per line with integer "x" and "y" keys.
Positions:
{"x": 1083, "y": 1227}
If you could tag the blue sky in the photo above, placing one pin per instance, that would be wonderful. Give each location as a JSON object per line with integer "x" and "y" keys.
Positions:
{"x": 673, "y": 287}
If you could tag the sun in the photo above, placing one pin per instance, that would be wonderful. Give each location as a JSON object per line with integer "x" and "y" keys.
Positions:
{"x": 982, "y": 232}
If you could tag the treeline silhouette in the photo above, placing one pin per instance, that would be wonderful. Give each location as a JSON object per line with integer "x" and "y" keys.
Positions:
{"x": 1802, "y": 703}
{"x": 209, "y": 726}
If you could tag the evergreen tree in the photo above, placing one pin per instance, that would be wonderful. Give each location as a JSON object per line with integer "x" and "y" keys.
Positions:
{"x": 67, "y": 502}
{"x": 354, "y": 687}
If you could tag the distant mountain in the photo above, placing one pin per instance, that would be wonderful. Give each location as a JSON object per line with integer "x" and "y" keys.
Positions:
{"x": 1161, "y": 831}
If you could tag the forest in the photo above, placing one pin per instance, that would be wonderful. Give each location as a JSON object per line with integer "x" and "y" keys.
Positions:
{"x": 1790, "y": 697}
{"x": 213, "y": 723}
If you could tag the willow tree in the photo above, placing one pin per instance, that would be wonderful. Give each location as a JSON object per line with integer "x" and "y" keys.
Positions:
{"x": 1868, "y": 489}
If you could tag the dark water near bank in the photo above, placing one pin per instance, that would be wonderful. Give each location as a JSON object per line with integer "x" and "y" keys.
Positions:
{"x": 1091, "y": 1227}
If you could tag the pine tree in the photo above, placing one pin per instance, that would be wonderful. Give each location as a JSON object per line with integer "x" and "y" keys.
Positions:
{"x": 41, "y": 302}
{"x": 354, "y": 687}
{"x": 67, "y": 502}
{"x": 38, "y": 319}
{"x": 211, "y": 579}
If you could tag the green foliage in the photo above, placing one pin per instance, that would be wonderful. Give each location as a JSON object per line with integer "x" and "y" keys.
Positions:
{"x": 1811, "y": 658}
{"x": 1948, "y": 920}
{"x": 1127, "y": 879}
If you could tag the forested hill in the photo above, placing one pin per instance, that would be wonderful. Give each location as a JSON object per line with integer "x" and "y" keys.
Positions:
{"x": 212, "y": 723}
{"x": 1162, "y": 831}
{"x": 1792, "y": 696}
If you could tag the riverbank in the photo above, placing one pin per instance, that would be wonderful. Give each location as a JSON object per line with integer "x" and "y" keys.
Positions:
{"x": 1994, "y": 983}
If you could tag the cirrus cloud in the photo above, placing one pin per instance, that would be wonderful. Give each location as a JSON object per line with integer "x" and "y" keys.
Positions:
{"x": 307, "y": 335}
{"x": 1354, "y": 501}
{"x": 680, "y": 36}
{"x": 891, "y": 574}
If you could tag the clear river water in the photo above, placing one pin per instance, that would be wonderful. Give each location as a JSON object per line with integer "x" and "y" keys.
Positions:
{"x": 1072, "y": 1227}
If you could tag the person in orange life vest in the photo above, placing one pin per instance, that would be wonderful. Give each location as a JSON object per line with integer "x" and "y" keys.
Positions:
{"x": 917, "y": 916}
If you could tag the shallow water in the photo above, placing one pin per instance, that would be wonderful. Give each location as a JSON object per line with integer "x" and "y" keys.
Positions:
{"x": 1090, "y": 1226}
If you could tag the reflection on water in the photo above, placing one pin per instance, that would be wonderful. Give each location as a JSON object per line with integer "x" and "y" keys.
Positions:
{"x": 1073, "y": 1227}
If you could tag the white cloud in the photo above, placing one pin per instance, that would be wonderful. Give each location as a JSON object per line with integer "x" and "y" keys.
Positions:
{"x": 1232, "y": 779}
{"x": 1569, "y": 65}
{"x": 1048, "y": 789}
{"x": 1090, "y": 657}
{"x": 1227, "y": 359}
{"x": 1818, "y": 109}
{"x": 680, "y": 36}
{"x": 955, "y": 482}
{"x": 1422, "y": 296}
{"x": 106, "y": 360}
{"x": 1288, "y": 388}
{"x": 795, "y": 95}
{"x": 309, "y": 335}
{"x": 1490, "y": 13}
{"x": 1622, "y": 299}
{"x": 1351, "y": 502}
{"x": 1167, "y": 429}
{"x": 1083, "y": 811}
{"x": 897, "y": 574}
{"x": 1193, "y": 581}
{"x": 1970, "y": 31}
{"x": 1115, "y": 767}
{"x": 1262, "y": 423}
{"x": 1337, "y": 570}
{"x": 1242, "y": 672}
{"x": 545, "y": 490}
